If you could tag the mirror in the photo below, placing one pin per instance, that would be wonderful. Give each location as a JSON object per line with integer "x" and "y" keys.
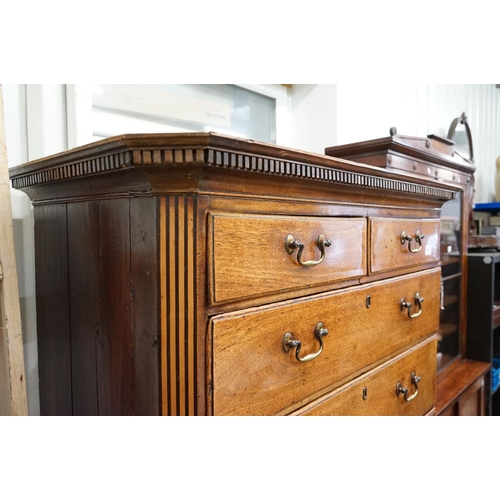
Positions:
{"x": 459, "y": 133}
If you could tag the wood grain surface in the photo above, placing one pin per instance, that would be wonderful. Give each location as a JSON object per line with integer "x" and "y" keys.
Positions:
{"x": 268, "y": 379}
{"x": 375, "y": 394}
{"x": 13, "y": 398}
{"x": 387, "y": 252}
{"x": 250, "y": 258}
{"x": 164, "y": 286}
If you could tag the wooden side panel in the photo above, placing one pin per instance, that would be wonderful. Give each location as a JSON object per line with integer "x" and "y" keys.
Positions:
{"x": 84, "y": 289}
{"x": 114, "y": 307}
{"x": 456, "y": 383}
{"x": 472, "y": 403}
{"x": 114, "y": 355}
{"x": 178, "y": 257}
{"x": 53, "y": 321}
{"x": 145, "y": 310}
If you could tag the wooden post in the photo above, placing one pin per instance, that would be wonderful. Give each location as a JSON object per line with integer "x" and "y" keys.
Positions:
{"x": 13, "y": 400}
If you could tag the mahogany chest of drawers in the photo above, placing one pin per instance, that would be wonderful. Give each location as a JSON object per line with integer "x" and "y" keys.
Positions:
{"x": 199, "y": 274}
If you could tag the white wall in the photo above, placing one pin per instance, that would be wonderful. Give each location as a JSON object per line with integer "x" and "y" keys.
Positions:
{"x": 314, "y": 117}
{"x": 328, "y": 115}
{"x": 418, "y": 109}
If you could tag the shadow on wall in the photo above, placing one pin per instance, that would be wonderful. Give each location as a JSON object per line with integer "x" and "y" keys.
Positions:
{"x": 23, "y": 225}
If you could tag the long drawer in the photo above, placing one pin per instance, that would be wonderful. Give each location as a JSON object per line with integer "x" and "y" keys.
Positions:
{"x": 258, "y": 255}
{"x": 404, "y": 386}
{"x": 257, "y": 371}
{"x": 398, "y": 242}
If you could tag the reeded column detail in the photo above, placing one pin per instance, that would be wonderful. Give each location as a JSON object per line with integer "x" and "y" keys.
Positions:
{"x": 178, "y": 309}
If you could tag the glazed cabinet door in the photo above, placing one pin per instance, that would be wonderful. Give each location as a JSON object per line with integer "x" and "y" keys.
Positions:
{"x": 452, "y": 283}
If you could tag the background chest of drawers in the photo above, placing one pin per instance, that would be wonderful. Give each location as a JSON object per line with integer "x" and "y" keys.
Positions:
{"x": 198, "y": 274}
{"x": 463, "y": 375}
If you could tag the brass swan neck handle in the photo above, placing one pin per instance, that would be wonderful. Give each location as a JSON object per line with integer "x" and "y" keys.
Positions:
{"x": 292, "y": 244}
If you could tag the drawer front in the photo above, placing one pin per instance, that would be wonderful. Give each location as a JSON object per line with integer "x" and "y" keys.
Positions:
{"x": 382, "y": 391}
{"x": 394, "y": 243}
{"x": 250, "y": 257}
{"x": 253, "y": 374}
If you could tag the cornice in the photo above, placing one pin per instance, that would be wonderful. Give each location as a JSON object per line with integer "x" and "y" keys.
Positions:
{"x": 148, "y": 153}
{"x": 405, "y": 147}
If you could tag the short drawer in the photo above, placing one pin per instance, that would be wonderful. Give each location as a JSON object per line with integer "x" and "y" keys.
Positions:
{"x": 404, "y": 386}
{"x": 253, "y": 373}
{"x": 250, "y": 255}
{"x": 397, "y": 243}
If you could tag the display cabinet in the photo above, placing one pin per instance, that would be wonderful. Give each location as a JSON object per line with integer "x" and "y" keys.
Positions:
{"x": 483, "y": 302}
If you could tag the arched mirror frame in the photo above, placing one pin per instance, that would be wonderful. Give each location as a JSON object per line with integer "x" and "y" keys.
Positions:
{"x": 462, "y": 120}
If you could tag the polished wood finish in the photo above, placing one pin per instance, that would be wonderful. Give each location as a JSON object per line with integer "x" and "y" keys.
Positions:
{"x": 83, "y": 223}
{"x": 423, "y": 157}
{"x": 462, "y": 388}
{"x": 433, "y": 159}
{"x": 164, "y": 285}
{"x": 97, "y": 318}
{"x": 245, "y": 248}
{"x": 387, "y": 250}
{"x": 53, "y": 312}
{"x": 179, "y": 248}
{"x": 375, "y": 393}
{"x": 269, "y": 380}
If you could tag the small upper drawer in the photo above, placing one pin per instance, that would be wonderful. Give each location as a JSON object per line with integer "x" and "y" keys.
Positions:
{"x": 257, "y": 255}
{"x": 403, "y": 386}
{"x": 397, "y": 243}
{"x": 257, "y": 371}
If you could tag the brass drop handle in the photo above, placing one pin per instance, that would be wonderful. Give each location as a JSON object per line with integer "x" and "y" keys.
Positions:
{"x": 289, "y": 343}
{"x": 408, "y": 305}
{"x": 407, "y": 238}
{"x": 292, "y": 244}
{"x": 415, "y": 379}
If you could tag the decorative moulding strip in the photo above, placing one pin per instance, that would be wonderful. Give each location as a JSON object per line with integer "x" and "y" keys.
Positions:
{"x": 77, "y": 169}
{"x": 274, "y": 166}
{"x": 222, "y": 159}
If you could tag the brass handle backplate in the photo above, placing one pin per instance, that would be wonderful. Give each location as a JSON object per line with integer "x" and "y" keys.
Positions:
{"x": 289, "y": 343}
{"x": 408, "y": 305}
{"x": 292, "y": 244}
{"x": 407, "y": 238}
{"x": 415, "y": 379}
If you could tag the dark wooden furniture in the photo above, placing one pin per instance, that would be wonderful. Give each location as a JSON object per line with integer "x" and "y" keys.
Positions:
{"x": 462, "y": 390}
{"x": 483, "y": 303}
{"x": 434, "y": 158}
{"x": 199, "y": 274}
